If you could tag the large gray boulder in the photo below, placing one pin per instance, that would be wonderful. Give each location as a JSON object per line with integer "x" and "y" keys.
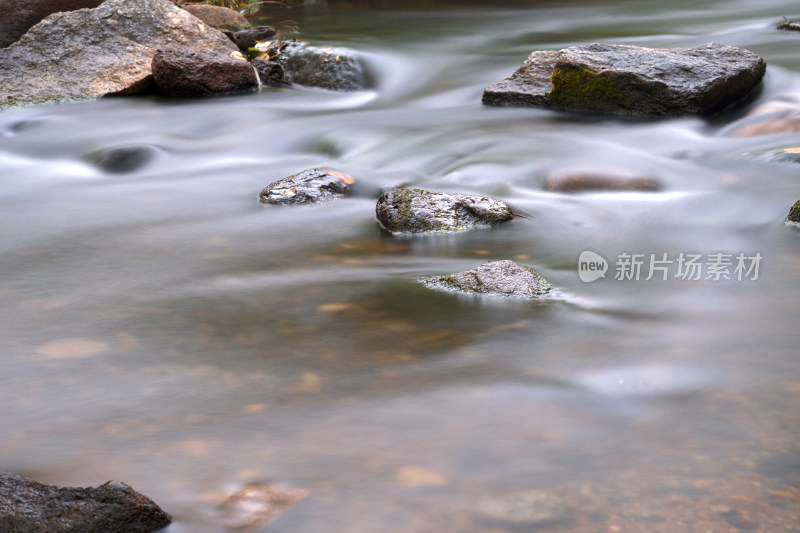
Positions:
{"x": 27, "y": 506}
{"x": 403, "y": 210}
{"x": 632, "y": 80}
{"x": 219, "y": 17}
{"x": 495, "y": 278}
{"x": 18, "y": 16}
{"x": 180, "y": 71}
{"x": 97, "y": 52}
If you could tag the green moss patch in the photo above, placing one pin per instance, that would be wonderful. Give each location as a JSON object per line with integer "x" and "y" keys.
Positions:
{"x": 586, "y": 90}
{"x": 794, "y": 213}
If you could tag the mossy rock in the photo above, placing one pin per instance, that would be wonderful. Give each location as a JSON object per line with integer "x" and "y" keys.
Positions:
{"x": 404, "y": 210}
{"x": 583, "y": 89}
{"x": 496, "y": 278}
{"x": 794, "y": 213}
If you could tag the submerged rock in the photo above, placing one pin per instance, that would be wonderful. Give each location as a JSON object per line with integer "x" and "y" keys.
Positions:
{"x": 181, "y": 71}
{"x": 18, "y": 17}
{"x": 326, "y": 68}
{"x": 632, "y": 80}
{"x": 526, "y": 508}
{"x": 576, "y": 180}
{"x": 219, "y": 17}
{"x": 788, "y": 25}
{"x": 255, "y": 506}
{"x": 498, "y": 278}
{"x": 403, "y": 210}
{"x": 114, "y": 507}
{"x": 776, "y": 117}
{"x": 96, "y": 52}
{"x": 794, "y": 213}
{"x": 307, "y": 187}
{"x": 123, "y": 159}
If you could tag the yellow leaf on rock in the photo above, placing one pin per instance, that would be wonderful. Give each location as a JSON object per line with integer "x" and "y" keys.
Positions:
{"x": 341, "y": 175}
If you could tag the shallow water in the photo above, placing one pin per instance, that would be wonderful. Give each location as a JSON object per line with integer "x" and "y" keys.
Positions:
{"x": 162, "y": 328}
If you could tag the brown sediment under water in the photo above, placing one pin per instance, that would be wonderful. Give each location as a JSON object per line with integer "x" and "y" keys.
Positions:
{"x": 161, "y": 327}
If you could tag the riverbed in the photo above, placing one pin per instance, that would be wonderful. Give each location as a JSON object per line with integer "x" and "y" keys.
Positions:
{"x": 163, "y": 328}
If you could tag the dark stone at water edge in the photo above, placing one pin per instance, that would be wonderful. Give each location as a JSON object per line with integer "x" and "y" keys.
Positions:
{"x": 789, "y": 25}
{"x": 247, "y": 39}
{"x": 123, "y": 159}
{"x": 403, "y": 210}
{"x": 268, "y": 71}
{"x": 18, "y": 16}
{"x": 181, "y": 71}
{"x": 631, "y": 80}
{"x": 27, "y": 506}
{"x": 308, "y": 187}
{"x": 794, "y": 213}
{"x": 498, "y": 278}
{"x": 91, "y": 53}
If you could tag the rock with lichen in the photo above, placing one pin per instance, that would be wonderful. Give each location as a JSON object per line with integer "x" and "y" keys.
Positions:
{"x": 496, "y": 278}
{"x": 307, "y": 187}
{"x": 403, "y": 210}
{"x": 114, "y": 507}
{"x": 632, "y": 80}
{"x": 794, "y": 213}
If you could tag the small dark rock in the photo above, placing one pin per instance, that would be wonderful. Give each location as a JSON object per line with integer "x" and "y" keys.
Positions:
{"x": 122, "y": 160}
{"x": 181, "y": 71}
{"x": 27, "y": 506}
{"x": 794, "y": 213}
{"x": 247, "y": 39}
{"x": 403, "y": 210}
{"x": 632, "y": 80}
{"x": 328, "y": 68}
{"x": 308, "y": 187}
{"x": 219, "y": 17}
{"x": 268, "y": 71}
{"x": 498, "y": 278}
{"x": 789, "y": 25}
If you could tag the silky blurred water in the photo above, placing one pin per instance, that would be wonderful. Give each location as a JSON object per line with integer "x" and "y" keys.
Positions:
{"x": 161, "y": 327}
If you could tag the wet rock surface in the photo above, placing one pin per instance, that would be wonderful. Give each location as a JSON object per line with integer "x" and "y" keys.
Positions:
{"x": 632, "y": 80}
{"x": 794, "y": 213}
{"x": 181, "y": 71}
{"x": 96, "y": 52}
{"x": 269, "y": 72}
{"x": 246, "y": 39}
{"x": 27, "y": 506}
{"x": 308, "y": 187}
{"x": 17, "y": 17}
{"x": 327, "y": 68}
{"x": 403, "y": 210}
{"x": 221, "y": 18}
{"x": 497, "y": 278}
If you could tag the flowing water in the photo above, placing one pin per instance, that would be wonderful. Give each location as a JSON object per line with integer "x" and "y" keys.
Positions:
{"x": 162, "y": 328}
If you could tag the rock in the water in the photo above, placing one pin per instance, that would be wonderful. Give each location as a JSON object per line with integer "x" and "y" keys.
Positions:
{"x": 96, "y": 52}
{"x": 247, "y": 39}
{"x": 794, "y": 213}
{"x": 575, "y": 180}
{"x": 221, "y": 18}
{"x": 17, "y": 17}
{"x": 181, "y": 71}
{"x": 255, "y": 506}
{"x": 268, "y": 71}
{"x": 123, "y": 159}
{"x": 308, "y": 187}
{"x": 497, "y": 278}
{"x": 403, "y": 210}
{"x": 632, "y": 80}
{"x": 789, "y": 25}
{"x": 27, "y": 506}
{"x": 770, "y": 118}
{"x": 326, "y": 68}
